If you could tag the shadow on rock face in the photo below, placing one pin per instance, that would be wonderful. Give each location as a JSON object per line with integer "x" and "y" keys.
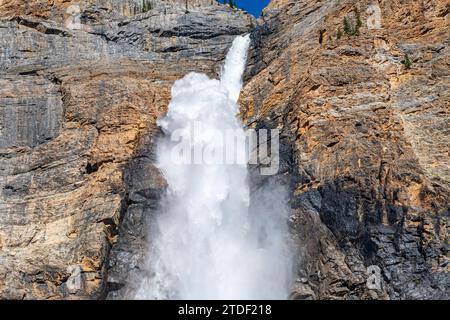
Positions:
{"x": 145, "y": 188}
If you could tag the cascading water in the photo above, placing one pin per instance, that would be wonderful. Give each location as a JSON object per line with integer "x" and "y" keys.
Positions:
{"x": 208, "y": 244}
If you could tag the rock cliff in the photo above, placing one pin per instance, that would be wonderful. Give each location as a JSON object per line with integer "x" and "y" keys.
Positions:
{"x": 82, "y": 83}
{"x": 363, "y": 109}
{"x": 363, "y": 106}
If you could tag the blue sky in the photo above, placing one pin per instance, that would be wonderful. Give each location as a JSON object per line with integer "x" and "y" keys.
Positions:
{"x": 253, "y": 6}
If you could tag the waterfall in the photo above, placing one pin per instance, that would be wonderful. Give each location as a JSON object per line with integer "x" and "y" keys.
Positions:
{"x": 207, "y": 243}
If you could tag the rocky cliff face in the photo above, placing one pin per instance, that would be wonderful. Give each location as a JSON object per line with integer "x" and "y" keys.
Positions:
{"x": 364, "y": 121}
{"x": 364, "y": 116}
{"x": 82, "y": 83}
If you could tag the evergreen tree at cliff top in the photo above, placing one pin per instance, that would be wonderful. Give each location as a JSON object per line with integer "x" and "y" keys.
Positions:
{"x": 231, "y": 3}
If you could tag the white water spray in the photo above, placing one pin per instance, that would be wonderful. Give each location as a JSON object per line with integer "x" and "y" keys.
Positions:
{"x": 209, "y": 244}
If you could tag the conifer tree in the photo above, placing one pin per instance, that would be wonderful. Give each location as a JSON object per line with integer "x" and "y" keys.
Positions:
{"x": 347, "y": 27}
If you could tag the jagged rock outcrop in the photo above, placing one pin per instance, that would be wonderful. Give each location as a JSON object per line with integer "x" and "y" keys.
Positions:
{"x": 364, "y": 114}
{"x": 364, "y": 123}
{"x": 82, "y": 83}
